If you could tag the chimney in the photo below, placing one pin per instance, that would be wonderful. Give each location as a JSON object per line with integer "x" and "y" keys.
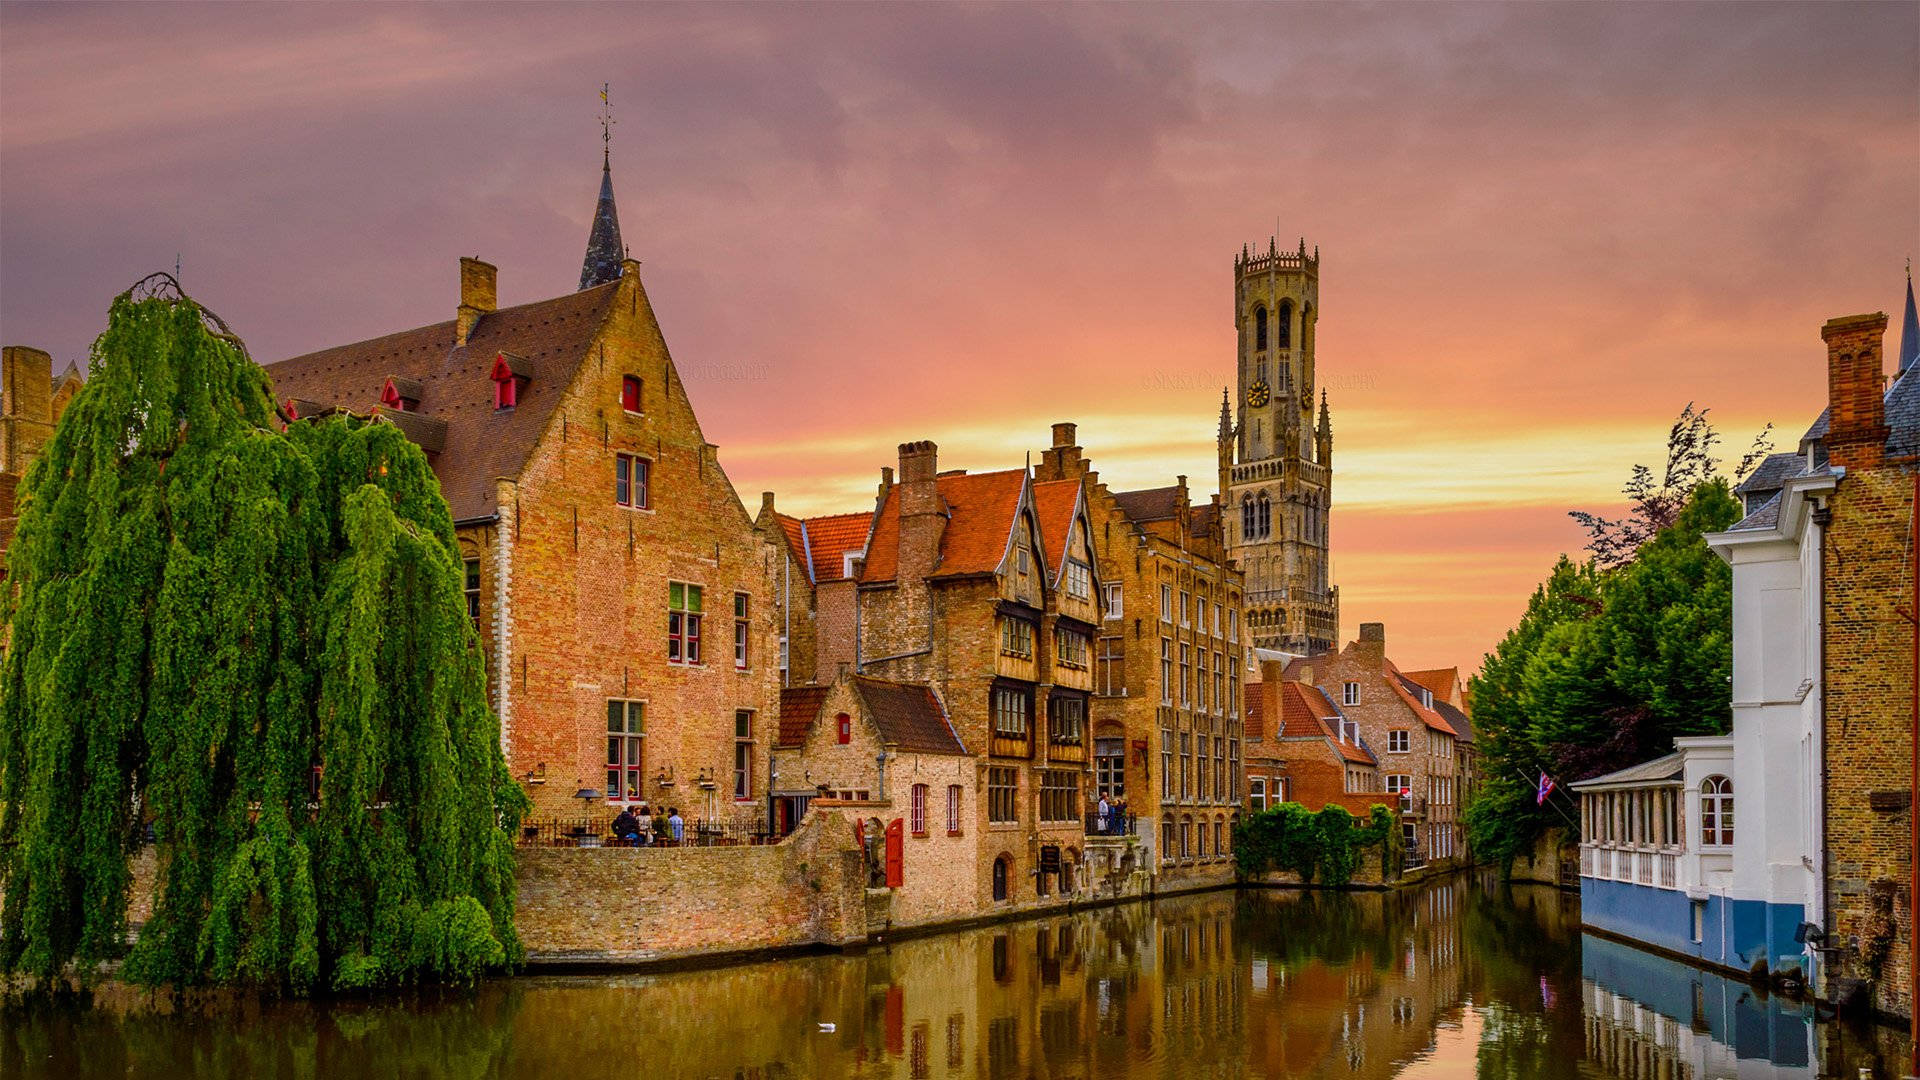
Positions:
{"x": 1856, "y": 404}
{"x": 477, "y": 296}
{"x": 1062, "y": 460}
{"x": 886, "y": 479}
{"x": 921, "y": 523}
{"x": 1063, "y": 435}
{"x": 766, "y": 504}
{"x": 1373, "y": 641}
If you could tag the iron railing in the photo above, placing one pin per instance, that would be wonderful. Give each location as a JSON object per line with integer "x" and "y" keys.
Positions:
{"x": 598, "y": 831}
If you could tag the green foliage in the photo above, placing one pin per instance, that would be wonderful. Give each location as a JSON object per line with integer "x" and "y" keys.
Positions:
{"x": 206, "y": 613}
{"x": 1326, "y": 844}
{"x": 1604, "y": 670}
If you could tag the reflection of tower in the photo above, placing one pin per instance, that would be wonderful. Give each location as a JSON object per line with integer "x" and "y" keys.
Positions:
{"x": 1276, "y": 464}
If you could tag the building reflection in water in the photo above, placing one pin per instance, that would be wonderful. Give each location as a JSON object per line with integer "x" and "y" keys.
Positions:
{"x": 1459, "y": 978}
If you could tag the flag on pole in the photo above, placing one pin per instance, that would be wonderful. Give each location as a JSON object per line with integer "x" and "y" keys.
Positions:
{"x": 1543, "y": 789}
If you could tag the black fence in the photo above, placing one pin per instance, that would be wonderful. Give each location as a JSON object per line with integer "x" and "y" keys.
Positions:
{"x": 598, "y": 831}
{"x": 1117, "y": 821}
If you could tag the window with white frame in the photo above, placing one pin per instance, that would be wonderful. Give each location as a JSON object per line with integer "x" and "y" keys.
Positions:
{"x": 1012, "y": 711}
{"x": 917, "y": 809}
{"x": 1079, "y": 580}
{"x": 1398, "y": 741}
{"x": 1257, "y": 792}
{"x": 1166, "y": 763}
{"x": 953, "y": 810}
{"x": 1016, "y": 637}
{"x": 1716, "y": 811}
{"x": 1070, "y": 646}
{"x": 1115, "y": 608}
{"x": 632, "y": 481}
{"x": 1166, "y": 603}
{"x": 1166, "y": 671}
{"x": 1350, "y": 693}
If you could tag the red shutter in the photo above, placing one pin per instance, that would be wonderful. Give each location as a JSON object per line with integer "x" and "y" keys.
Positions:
{"x": 630, "y": 393}
{"x": 896, "y": 843}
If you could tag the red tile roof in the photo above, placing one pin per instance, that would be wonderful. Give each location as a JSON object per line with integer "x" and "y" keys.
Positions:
{"x": 1054, "y": 502}
{"x": 799, "y": 708}
{"x": 794, "y": 528}
{"x": 828, "y": 540}
{"x": 1307, "y": 711}
{"x": 980, "y": 511}
{"x": 549, "y": 339}
{"x": 1443, "y": 683}
{"x": 1427, "y": 716}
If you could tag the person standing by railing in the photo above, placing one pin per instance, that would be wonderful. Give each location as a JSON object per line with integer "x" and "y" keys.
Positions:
{"x": 676, "y": 826}
{"x": 1100, "y": 815}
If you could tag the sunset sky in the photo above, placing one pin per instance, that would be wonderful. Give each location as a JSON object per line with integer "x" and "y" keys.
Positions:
{"x": 1544, "y": 228}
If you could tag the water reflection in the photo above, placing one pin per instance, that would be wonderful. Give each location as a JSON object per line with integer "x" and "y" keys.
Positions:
{"x": 1460, "y": 978}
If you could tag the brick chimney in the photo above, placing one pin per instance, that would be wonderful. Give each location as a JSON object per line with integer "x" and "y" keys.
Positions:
{"x": 478, "y": 296}
{"x": 921, "y": 522}
{"x": 1373, "y": 642}
{"x": 1062, "y": 460}
{"x": 1856, "y": 388}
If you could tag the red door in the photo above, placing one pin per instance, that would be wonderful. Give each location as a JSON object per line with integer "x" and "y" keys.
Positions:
{"x": 896, "y": 850}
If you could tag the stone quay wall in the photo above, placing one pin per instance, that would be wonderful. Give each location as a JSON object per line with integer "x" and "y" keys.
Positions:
{"x": 628, "y": 905}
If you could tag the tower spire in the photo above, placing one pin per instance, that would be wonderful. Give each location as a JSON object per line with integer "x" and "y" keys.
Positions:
{"x": 604, "y": 250}
{"x": 1909, "y": 328}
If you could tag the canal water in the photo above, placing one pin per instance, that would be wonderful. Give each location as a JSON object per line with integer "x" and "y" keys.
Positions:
{"x": 1461, "y": 978}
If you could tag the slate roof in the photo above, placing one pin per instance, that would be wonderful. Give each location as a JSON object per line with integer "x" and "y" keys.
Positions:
{"x": 799, "y": 708}
{"x": 980, "y": 510}
{"x": 1150, "y": 504}
{"x": 604, "y": 249}
{"x": 1766, "y": 517}
{"x": 1659, "y": 769}
{"x": 1902, "y": 404}
{"x": 1773, "y": 473}
{"x": 482, "y": 444}
{"x": 908, "y": 716}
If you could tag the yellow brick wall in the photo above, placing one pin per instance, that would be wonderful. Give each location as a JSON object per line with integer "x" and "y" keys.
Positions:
{"x": 1868, "y": 686}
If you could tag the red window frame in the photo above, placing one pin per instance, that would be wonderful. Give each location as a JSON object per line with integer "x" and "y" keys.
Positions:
{"x": 683, "y": 625}
{"x": 917, "y": 810}
{"x": 630, "y": 393}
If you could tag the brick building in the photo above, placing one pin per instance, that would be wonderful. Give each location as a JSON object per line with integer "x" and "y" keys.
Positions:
{"x": 31, "y": 401}
{"x": 887, "y": 755}
{"x": 621, "y": 590}
{"x": 813, "y": 580}
{"x": 1168, "y": 661}
{"x": 982, "y": 589}
{"x": 1301, "y": 748}
{"x": 1417, "y": 747}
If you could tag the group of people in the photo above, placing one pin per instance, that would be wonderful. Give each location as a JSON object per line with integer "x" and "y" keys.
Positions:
{"x": 639, "y": 826}
{"x": 1110, "y": 818}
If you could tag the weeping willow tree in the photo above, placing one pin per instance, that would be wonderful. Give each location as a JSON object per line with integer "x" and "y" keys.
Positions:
{"x": 251, "y": 639}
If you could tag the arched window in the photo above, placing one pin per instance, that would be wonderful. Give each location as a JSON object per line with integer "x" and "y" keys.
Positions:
{"x": 1001, "y": 870}
{"x": 1260, "y": 327}
{"x": 1716, "y": 811}
{"x": 1263, "y": 517}
{"x": 1246, "y": 517}
{"x": 1283, "y": 333}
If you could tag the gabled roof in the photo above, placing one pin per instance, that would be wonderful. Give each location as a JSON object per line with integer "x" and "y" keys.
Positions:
{"x": 908, "y": 716}
{"x": 827, "y": 540}
{"x": 549, "y": 340}
{"x": 1440, "y": 682}
{"x": 1054, "y": 503}
{"x": 980, "y": 510}
{"x": 1409, "y": 692}
{"x": 1306, "y": 712}
{"x": 795, "y": 531}
{"x": 799, "y": 708}
{"x": 1772, "y": 473}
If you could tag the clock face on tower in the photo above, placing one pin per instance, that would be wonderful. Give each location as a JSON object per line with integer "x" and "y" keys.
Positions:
{"x": 1258, "y": 396}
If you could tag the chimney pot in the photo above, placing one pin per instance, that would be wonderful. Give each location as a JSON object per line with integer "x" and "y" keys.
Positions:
{"x": 1063, "y": 434}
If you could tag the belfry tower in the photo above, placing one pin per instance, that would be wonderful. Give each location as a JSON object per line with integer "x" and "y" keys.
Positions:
{"x": 1276, "y": 464}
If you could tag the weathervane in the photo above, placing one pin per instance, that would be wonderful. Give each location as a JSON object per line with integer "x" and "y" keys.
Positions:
{"x": 606, "y": 127}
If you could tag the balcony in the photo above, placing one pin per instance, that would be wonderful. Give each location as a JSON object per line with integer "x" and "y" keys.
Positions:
{"x": 1636, "y": 864}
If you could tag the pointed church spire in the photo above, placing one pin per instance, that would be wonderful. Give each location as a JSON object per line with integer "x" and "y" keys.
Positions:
{"x": 604, "y": 250}
{"x": 1909, "y": 327}
{"x": 1226, "y": 415}
{"x": 1326, "y": 418}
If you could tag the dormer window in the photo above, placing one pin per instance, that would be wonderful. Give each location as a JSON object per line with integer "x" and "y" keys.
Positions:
{"x": 630, "y": 393}
{"x": 401, "y": 394}
{"x": 510, "y": 376}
